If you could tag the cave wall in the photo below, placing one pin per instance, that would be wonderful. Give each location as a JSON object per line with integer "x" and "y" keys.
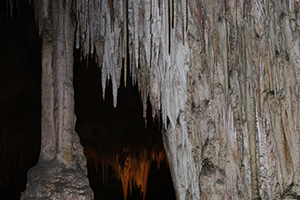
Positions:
{"x": 242, "y": 107}
{"x": 223, "y": 74}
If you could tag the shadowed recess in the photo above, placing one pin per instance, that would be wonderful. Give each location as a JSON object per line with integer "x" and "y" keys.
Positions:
{"x": 123, "y": 149}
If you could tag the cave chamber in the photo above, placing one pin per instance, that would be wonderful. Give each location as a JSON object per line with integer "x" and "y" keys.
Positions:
{"x": 124, "y": 150}
{"x": 222, "y": 77}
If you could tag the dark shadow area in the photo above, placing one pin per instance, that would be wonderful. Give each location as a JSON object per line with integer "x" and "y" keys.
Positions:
{"x": 105, "y": 131}
{"x": 116, "y": 140}
{"x": 20, "y": 94}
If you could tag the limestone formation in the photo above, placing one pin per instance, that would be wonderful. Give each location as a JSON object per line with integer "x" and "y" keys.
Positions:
{"x": 223, "y": 74}
{"x": 61, "y": 170}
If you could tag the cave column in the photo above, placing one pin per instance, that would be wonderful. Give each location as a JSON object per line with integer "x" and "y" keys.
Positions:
{"x": 61, "y": 171}
{"x": 48, "y": 139}
{"x": 58, "y": 117}
{"x": 64, "y": 116}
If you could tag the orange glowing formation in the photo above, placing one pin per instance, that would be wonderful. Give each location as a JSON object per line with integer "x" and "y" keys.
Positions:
{"x": 132, "y": 169}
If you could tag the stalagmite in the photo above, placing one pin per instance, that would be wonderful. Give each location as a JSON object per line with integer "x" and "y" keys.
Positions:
{"x": 223, "y": 74}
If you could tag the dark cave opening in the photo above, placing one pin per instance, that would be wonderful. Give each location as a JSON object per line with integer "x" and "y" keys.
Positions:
{"x": 103, "y": 129}
{"x": 113, "y": 136}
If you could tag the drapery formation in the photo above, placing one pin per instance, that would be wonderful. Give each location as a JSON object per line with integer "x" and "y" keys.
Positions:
{"x": 223, "y": 74}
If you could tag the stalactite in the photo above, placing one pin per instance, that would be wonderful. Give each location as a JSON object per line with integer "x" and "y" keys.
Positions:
{"x": 11, "y": 3}
{"x": 169, "y": 24}
{"x": 138, "y": 17}
{"x": 125, "y": 35}
{"x": 111, "y": 9}
{"x": 132, "y": 168}
{"x": 184, "y": 18}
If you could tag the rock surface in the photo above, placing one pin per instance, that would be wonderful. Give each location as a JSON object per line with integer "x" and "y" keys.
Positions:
{"x": 54, "y": 180}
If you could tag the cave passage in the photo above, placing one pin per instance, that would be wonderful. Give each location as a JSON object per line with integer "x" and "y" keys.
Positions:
{"x": 125, "y": 154}
{"x": 112, "y": 137}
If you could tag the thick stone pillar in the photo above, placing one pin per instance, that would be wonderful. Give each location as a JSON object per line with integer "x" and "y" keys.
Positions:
{"x": 61, "y": 170}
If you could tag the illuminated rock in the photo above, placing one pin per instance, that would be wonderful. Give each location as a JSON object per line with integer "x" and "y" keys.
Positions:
{"x": 132, "y": 168}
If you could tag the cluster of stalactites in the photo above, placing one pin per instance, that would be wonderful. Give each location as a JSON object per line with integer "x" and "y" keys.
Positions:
{"x": 130, "y": 168}
{"x": 146, "y": 36}
{"x": 135, "y": 170}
